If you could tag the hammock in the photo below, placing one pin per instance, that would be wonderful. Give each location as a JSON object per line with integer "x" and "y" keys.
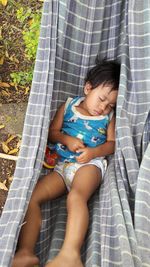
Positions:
{"x": 72, "y": 34}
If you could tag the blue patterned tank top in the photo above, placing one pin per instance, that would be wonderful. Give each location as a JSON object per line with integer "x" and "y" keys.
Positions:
{"x": 92, "y": 130}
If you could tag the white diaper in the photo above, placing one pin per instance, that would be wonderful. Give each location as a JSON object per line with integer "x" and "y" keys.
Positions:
{"x": 68, "y": 170}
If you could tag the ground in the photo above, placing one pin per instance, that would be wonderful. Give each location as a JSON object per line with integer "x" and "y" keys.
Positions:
{"x": 13, "y": 96}
{"x": 12, "y": 117}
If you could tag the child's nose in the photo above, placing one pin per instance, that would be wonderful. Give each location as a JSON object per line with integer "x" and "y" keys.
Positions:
{"x": 103, "y": 105}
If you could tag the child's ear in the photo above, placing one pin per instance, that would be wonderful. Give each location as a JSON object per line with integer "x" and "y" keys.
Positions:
{"x": 87, "y": 88}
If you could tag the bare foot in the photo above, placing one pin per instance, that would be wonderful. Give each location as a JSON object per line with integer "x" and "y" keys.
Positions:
{"x": 24, "y": 259}
{"x": 65, "y": 260}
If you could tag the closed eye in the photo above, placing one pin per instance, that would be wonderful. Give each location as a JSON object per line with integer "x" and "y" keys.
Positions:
{"x": 101, "y": 99}
{"x": 111, "y": 105}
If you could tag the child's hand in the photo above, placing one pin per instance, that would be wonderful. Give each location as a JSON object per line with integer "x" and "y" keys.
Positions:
{"x": 73, "y": 143}
{"x": 86, "y": 155}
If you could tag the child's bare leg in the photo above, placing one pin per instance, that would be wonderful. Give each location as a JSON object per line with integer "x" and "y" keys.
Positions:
{"x": 86, "y": 180}
{"x": 49, "y": 187}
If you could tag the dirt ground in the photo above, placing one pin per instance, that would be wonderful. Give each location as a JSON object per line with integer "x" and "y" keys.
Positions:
{"x": 7, "y": 168}
{"x": 12, "y": 117}
{"x": 13, "y": 98}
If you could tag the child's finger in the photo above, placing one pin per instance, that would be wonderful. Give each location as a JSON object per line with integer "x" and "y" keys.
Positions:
{"x": 80, "y": 157}
{"x": 81, "y": 145}
{"x": 79, "y": 160}
{"x": 80, "y": 150}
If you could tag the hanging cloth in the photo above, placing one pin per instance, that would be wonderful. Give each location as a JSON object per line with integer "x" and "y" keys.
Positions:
{"x": 72, "y": 34}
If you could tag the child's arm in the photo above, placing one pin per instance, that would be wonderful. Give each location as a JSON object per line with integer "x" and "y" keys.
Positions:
{"x": 105, "y": 149}
{"x": 56, "y": 136}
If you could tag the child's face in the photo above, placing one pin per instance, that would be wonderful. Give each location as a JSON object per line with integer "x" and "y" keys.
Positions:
{"x": 100, "y": 100}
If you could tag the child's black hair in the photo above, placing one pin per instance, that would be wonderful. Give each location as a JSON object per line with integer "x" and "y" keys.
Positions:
{"x": 105, "y": 72}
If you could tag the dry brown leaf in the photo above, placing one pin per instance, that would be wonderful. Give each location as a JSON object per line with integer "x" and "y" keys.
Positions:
{"x": 10, "y": 139}
{"x": 4, "y": 93}
{"x": 13, "y": 151}
{"x": 12, "y": 84}
{"x": 13, "y": 59}
{"x": 5, "y": 148}
{"x": 2, "y": 126}
{"x": 6, "y": 54}
{"x": 3, "y": 186}
{"x": 27, "y": 90}
{"x": 1, "y": 35}
{"x": 19, "y": 135}
{"x": 19, "y": 144}
{"x": 10, "y": 178}
{"x": 16, "y": 60}
{"x": 2, "y": 84}
{"x": 2, "y": 60}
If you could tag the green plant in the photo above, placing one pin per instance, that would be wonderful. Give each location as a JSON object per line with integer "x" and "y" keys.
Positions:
{"x": 22, "y": 77}
{"x": 23, "y": 14}
{"x": 30, "y": 30}
{"x": 31, "y": 36}
{"x": 31, "y": 26}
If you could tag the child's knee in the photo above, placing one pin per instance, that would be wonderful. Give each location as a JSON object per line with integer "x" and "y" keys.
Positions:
{"x": 38, "y": 194}
{"x": 74, "y": 197}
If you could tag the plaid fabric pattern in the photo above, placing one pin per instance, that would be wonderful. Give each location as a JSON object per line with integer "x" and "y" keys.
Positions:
{"x": 72, "y": 34}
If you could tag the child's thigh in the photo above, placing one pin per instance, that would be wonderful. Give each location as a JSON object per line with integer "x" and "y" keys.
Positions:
{"x": 49, "y": 187}
{"x": 86, "y": 180}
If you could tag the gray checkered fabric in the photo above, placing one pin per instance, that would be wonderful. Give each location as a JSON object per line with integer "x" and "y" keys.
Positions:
{"x": 72, "y": 34}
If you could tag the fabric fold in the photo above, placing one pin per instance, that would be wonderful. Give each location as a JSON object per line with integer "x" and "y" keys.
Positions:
{"x": 72, "y": 34}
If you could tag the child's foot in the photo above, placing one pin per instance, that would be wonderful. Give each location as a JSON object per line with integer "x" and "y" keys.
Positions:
{"x": 24, "y": 259}
{"x": 65, "y": 260}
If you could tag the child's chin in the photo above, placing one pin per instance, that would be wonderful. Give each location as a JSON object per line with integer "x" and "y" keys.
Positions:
{"x": 96, "y": 114}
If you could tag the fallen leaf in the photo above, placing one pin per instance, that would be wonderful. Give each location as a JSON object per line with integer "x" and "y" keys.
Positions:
{"x": 13, "y": 151}
{"x": 10, "y": 139}
{"x": 2, "y": 126}
{"x": 2, "y": 84}
{"x": 19, "y": 135}
{"x": 4, "y": 2}
{"x": 30, "y": 21}
{"x": 1, "y": 37}
{"x": 27, "y": 90}
{"x": 5, "y": 148}
{"x": 14, "y": 59}
{"x": 10, "y": 178}
{"x": 19, "y": 144}
{"x": 2, "y": 60}
{"x": 6, "y": 54}
{"x": 5, "y": 93}
{"x": 3, "y": 186}
{"x": 12, "y": 84}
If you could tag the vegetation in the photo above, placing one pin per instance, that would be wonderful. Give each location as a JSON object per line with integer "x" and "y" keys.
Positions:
{"x": 19, "y": 35}
{"x": 19, "y": 32}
